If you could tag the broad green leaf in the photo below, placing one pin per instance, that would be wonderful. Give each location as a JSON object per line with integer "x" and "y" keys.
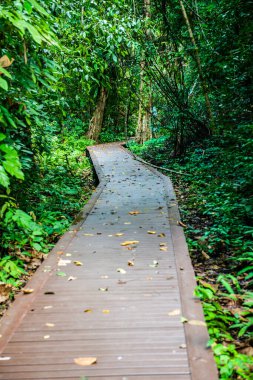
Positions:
{"x": 14, "y": 169}
{"x": 38, "y": 7}
{"x": 3, "y": 84}
{"x": 2, "y": 136}
{"x": 5, "y": 72}
{"x": 4, "y": 179}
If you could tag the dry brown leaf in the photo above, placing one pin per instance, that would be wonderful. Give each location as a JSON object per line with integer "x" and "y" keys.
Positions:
{"x": 181, "y": 224}
{"x": 247, "y": 351}
{"x": 59, "y": 252}
{"x": 5, "y": 290}
{"x": 5, "y": 61}
{"x": 135, "y": 212}
{"x": 130, "y": 263}
{"x": 151, "y": 232}
{"x": 162, "y": 244}
{"x": 129, "y": 242}
{"x": 174, "y": 312}
{"x": 78, "y": 263}
{"x": 28, "y": 291}
{"x": 85, "y": 361}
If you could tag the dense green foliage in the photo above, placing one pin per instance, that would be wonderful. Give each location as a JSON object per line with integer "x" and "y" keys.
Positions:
{"x": 185, "y": 66}
{"x": 214, "y": 191}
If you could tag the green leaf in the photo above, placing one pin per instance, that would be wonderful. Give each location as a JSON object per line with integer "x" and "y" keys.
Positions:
{"x": 61, "y": 274}
{"x": 3, "y": 84}
{"x": 5, "y": 72}
{"x": 38, "y": 7}
{"x": 28, "y": 6}
{"x": 13, "y": 168}
{"x": 2, "y": 136}
{"x": 4, "y": 179}
{"x": 36, "y": 246}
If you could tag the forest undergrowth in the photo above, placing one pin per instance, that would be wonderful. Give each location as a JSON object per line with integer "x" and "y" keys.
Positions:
{"x": 215, "y": 198}
{"x": 51, "y": 197}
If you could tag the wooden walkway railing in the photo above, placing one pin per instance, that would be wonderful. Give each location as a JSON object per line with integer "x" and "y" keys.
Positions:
{"x": 108, "y": 302}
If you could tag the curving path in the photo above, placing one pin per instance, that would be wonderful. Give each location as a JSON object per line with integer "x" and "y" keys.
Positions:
{"x": 118, "y": 304}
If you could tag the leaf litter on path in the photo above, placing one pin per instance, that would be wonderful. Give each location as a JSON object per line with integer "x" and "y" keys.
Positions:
{"x": 129, "y": 242}
{"x": 85, "y": 361}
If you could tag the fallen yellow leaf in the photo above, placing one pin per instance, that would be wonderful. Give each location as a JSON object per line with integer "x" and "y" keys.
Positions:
{"x": 135, "y": 212}
{"x": 196, "y": 323}
{"x": 28, "y": 291}
{"x": 129, "y": 242}
{"x": 162, "y": 244}
{"x": 88, "y": 234}
{"x": 50, "y": 324}
{"x": 174, "y": 312}
{"x": 105, "y": 311}
{"x": 88, "y": 311}
{"x": 130, "y": 263}
{"x": 119, "y": 234}
{"x": 165, "y": 249}
{"x": 78, "y": 263}
{"x": 46, "y": 336}
{"x": 103, "y": 289}
{"x": 161, "y": 235}
{"x": 151, "y": 232}
{"x": 85, "y": 361}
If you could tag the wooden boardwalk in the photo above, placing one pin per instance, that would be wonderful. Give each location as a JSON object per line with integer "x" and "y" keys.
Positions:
{"x": 121, "y": 304}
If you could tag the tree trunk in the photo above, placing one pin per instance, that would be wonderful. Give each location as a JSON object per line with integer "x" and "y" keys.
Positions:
{"x": 200, "y": 71}
{"x": 143, "y": 132}
{"x": 96, "y": 121}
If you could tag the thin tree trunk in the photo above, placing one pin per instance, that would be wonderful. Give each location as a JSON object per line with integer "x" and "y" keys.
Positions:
{"x": 143, "y": 132}
{"x": 96, "y": 121}
{"x": 200, "y": 71}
